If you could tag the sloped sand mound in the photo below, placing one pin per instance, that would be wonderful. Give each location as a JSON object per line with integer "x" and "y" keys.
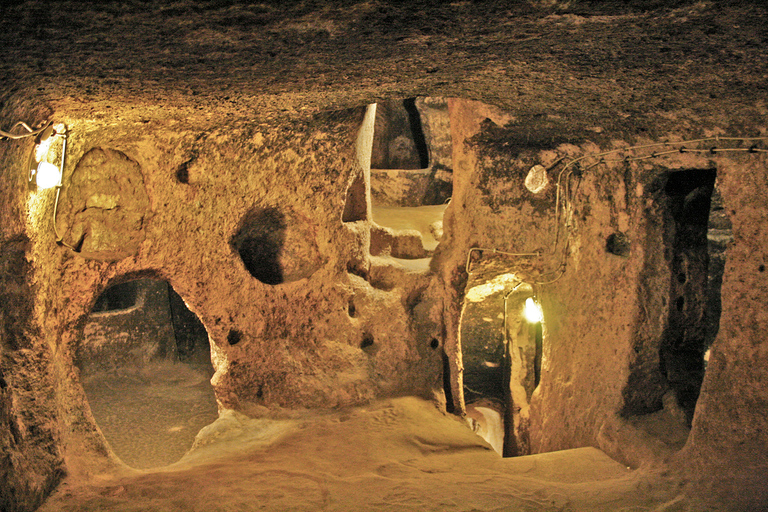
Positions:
{"x": 398, "y": 454}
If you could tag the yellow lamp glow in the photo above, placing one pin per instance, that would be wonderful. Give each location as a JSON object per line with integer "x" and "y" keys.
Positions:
{"x": 48, "y": 175}
{"x": 532, "y": 311}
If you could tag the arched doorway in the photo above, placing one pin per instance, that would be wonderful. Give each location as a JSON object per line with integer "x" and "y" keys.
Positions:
{"x": 144, "y": 363}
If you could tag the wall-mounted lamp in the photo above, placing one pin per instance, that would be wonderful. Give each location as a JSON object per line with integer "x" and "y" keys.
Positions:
{"x": 532, "y": 311}
{"x": 48, "y": 175}
{"x": 536, "y": 180}
{"x": 45, "y": 173}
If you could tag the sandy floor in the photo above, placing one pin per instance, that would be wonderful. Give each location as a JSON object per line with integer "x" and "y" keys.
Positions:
{"x": 419, "y": 218}
{"x": 150, "y": 416}
{"x": 399, "y": 454}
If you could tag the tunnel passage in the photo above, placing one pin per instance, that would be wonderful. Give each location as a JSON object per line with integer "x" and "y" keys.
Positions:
{"x": 501, "y": 347}
{"x": 699, "y": 231}
{"x": 145, "y": 366}
{"x": 399, "y": 141}
{"x": 412, "y": 153}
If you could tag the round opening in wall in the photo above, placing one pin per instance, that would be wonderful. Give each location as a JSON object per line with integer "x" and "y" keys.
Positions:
{"x": 618, "y": 244}
{"x": 234, "y": 336}
{"x": 367, "y": 343}
{"x": 118, "y": 297}
{"x": 276, "y": 246}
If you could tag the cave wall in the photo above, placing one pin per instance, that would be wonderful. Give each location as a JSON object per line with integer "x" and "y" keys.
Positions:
{"x": 606, "y": 316}
{"x": 31, "y": 462}
{"x": 339, "y": 328}
{"x": 203, "y": 109}
{"x": 317, "y": 337}
{"x": 725, "y": 456}
{"x": 590, "y": 311}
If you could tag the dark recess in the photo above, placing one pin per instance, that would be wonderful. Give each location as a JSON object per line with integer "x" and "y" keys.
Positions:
{"x": 618, "y": 244}
{"x": 191, "y": 337}
{"x": 691, "y": 320}
{"x": 182, "y": 173}
{"x": 417, "y": 132}
{"x": 234, "y": 336}
{"x": 355, "y": 206}
{"x": 117, "y": 297}
{"x": 367, "y": 341}
{"x": 449, "y": 405}
{"x": 259, "y": 243}
{"x": 537, "y": 356}
{"x": 398, "y": 136}
{"x": 351, "y": 309}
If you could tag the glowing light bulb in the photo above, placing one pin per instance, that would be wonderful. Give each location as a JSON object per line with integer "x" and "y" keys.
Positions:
{"x": 48, "y": 175}
{"x": 532, "y": 311}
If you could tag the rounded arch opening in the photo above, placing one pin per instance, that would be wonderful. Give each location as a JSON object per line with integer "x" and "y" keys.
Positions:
{"x": 145, "y": 365}
{"x": 501, "y": 343}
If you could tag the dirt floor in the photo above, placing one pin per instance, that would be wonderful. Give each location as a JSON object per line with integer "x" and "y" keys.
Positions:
{"x": 150, "y": 416}
{"x": 397, "y": 454}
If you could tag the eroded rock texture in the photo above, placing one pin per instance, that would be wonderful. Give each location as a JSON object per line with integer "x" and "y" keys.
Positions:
{"x": 231, "y": 151}
{"x": 105, "y": 205}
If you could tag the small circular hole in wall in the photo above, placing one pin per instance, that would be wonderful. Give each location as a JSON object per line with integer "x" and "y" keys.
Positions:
{"x": 182, "y": 173}
{"x": 145, "y": 365}
{"x": 681, "y": 278}
{"x": 761, "y": 268}
{"x": 434, "y": 344}
{"x": 618, "y": 244}
{"x": 367, "y": 342}
{"x": 234, "y": 336}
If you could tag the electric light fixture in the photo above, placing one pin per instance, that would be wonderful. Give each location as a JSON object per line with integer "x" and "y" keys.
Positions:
{"x": 46, "y": 173}
{"x": 532, "y": 311}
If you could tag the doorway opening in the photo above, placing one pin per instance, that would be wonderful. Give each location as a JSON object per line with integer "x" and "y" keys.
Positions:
{"x": 698, "y": 231}
{"x": 501, "y": 348}
{"x": 145, "y": 366}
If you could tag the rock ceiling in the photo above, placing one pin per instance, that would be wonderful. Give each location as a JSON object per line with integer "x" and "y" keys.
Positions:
{"x": 577, "y": 64}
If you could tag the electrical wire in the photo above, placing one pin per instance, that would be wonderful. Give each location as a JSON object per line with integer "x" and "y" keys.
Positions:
{"x": 59, "y": 238}
{"x": 30, "y": 131}
{"x": 506, "y": 338}
{"x": 467, "y": 267}
{"x": 572, "y": 167}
